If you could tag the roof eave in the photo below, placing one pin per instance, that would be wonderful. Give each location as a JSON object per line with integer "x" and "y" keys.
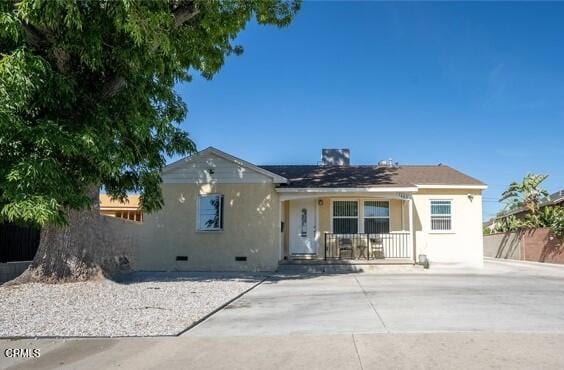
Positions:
{"x": 453, "y": 186}
{"x": 375, "y": 189}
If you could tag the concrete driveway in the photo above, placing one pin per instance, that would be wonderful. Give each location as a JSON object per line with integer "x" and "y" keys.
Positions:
{"x": 507, "y": 315}
{"x": 501, "y": 297}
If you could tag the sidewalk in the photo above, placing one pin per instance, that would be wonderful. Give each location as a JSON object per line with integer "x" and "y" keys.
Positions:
{"x": 359, "y": 351}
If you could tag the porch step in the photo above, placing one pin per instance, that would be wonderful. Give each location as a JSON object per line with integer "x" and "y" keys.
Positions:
{"x": 344, "y": 266}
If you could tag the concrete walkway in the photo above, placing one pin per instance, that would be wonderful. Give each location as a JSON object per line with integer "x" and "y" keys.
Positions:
{"x": 507, "y": 315}
{"x": 502, "y": 297}
{"x": 339, "y": 352}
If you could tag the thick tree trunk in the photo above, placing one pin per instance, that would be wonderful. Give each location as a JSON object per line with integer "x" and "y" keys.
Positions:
{"x": 86, "y": 248}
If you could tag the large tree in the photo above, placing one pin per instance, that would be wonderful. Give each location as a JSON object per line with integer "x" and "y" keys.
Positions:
{"x": 87, "y": 100}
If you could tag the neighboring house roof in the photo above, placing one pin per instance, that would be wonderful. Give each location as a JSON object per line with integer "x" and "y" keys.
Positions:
{"x": 556, "y": 198}
{"x": 553, "y": 199}
{"x": 107, "y": 204}
{"x": 316, "y": 176}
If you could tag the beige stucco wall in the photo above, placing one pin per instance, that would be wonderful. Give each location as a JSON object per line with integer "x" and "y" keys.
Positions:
{"x": 464, "y": 245}
{"x": 251, "y": 229}
{"x": 324, "y": 218}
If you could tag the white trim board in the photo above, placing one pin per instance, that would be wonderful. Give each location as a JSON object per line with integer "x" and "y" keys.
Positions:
{"x": 470, "y": 187}
{"x": 348, "y": 190}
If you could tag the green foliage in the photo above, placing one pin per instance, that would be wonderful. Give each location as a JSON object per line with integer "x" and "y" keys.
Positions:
{"x": 528, "y": 193}
{"x": 551, "y": 217}
{"x": 508, "y": 224}
{"x": 87, "y": 93}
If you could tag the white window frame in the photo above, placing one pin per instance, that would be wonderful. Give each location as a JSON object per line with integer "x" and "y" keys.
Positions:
{"x": 449, "y": 231}
{"x": 221, "y": 213}
{"x": 360, "y": 216}
{"x": 357, "y": 217}
{"x": 364, "y": 217}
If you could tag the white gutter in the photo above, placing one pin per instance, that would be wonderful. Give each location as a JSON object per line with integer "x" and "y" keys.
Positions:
{"x": 478, "y": 187}
{"x": 412, "y": 189}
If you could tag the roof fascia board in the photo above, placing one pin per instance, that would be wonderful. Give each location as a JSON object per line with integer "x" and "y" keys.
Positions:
{"x": 479, "y": 187}
{"x": 411, "y": 189}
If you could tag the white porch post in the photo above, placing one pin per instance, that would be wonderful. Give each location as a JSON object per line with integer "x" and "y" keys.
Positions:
{"x": 411, "y": 228}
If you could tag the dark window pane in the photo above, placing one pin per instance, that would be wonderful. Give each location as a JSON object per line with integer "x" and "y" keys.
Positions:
{"x": 210, "y": 212}
{"x": 304, "y": 223}
{"x": 376, "y": 226}
{"x": 345, "y": 208}
{"x": 345, "y": 225}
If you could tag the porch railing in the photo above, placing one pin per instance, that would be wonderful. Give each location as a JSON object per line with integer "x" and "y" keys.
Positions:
{"x": 367, "y": 246}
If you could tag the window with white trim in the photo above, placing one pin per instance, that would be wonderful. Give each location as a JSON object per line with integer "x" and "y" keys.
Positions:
{"x": 441, "y": 215}
{"x": 345, "y": 217}
{"x": 376, "y": 217}
{"x": 210, "y": 212}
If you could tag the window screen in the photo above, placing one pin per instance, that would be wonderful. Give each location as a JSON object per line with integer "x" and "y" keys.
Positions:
{"x": 376, "y": 217}
{"x": 345, "y": 217}
{"x": 441, "y": 215}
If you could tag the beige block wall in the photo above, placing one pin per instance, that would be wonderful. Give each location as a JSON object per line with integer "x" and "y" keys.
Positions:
{"x": 251, "y": 229}
{"x": 464, "y": 245}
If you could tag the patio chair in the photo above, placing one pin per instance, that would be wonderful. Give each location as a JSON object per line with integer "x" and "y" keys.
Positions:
{"x": 363, "y": 250}
{"x": 377, "y": 246}
{"x": 345, "y": 245}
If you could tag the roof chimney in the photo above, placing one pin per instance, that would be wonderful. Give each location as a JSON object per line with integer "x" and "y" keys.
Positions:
{"x": 335, "y": 157}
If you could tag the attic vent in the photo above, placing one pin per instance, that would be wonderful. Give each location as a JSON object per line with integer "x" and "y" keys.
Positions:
{"x": 335, "y": 157}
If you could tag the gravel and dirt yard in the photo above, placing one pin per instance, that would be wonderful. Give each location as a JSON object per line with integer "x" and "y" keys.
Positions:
{"x": 139, "y": 304}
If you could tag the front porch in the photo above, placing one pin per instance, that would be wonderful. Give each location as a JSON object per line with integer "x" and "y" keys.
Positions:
{"x": 375, "y": 228}
{"x": 382, "y": 246}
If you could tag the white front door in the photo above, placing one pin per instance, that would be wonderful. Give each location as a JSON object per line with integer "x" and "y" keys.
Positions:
{"x": 302, "y": 227}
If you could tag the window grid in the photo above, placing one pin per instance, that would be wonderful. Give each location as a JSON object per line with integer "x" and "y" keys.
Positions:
{"x": 441, "y": 215}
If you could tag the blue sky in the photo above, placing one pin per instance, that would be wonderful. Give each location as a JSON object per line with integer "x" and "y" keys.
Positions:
{"x": 477, "y": 86}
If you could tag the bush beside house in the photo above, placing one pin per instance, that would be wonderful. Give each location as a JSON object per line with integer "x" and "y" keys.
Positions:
{"x": 532, "y": 226}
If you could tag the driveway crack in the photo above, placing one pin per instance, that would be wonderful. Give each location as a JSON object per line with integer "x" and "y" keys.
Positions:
{"x": 357, "y": 354}
{"x": 371, "y": 305}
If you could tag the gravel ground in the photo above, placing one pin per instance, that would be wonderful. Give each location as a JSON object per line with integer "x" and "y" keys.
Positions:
{"x": 135, "y": 305}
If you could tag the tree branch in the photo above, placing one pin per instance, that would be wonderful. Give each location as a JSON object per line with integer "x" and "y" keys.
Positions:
{"x": 34, "y": 37}
{"x": 181, "y": 15}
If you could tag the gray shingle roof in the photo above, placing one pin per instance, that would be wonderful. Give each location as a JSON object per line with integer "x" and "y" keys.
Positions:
{"x": 315, "y": 176}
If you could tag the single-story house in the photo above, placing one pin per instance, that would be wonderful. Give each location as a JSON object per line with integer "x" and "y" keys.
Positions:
{"x": 128, "y": 210}
{"x": 223, "y": 213}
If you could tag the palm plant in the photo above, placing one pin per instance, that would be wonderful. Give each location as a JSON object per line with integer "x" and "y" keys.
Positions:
{"x": 527, "y": 193}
